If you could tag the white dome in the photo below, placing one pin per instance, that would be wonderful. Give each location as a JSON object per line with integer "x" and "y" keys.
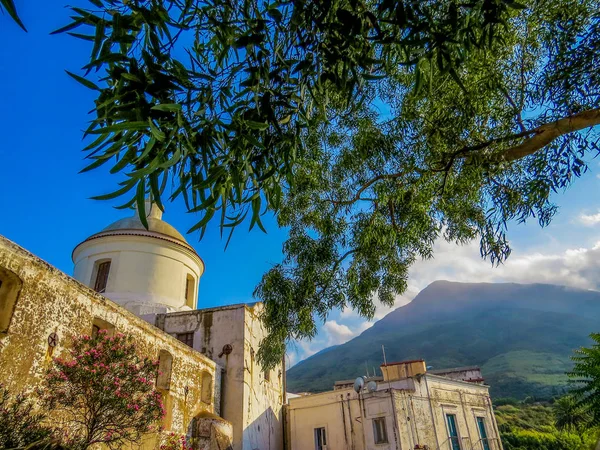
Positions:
{"x": 148, "y": 271}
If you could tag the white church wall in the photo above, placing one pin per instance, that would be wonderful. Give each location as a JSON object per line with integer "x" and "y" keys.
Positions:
{"x": 230, "y": 335}
{"x": 144, "y": 270}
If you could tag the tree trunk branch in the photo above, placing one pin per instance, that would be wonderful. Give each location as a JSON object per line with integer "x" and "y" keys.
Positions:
{"x": 545, "y": 134}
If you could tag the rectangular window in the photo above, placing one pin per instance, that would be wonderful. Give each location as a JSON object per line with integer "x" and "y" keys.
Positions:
{"x": 186, "y": 338}
{"x": 485, "y": 444}
{"x": 320, "y": 439}
{"x": 453, "y": 438}
{"x": 189, "y": 291}
{"x": 380, "y": 431}
{"x": 102, "y": 277}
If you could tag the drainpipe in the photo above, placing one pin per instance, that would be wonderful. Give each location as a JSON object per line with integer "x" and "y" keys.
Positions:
{"x": 222, "y": 398}
{"x": 498, "y": 440}
{"x": 412, "y": 408}
{"x": 284, "y": 409}
{"x": 437, "y": 440}
{"x": 344, "y": 419}
{"x": 352, "y": 436}
{"x": 364, "y": 420}
{"x": 397, "y": 437}
{"x": 409, "y": 421}
{"x": 462, "y": 406}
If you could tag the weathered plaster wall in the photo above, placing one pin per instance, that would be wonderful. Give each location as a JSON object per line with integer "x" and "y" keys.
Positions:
{"x": 52, "y": 302}
{"x": 252, "y": 404}
{"x": 413, "y": 409}
{"x": 339, "y": 412}
{"x": 466, "y": 401}
{"x": 263, "y": 397}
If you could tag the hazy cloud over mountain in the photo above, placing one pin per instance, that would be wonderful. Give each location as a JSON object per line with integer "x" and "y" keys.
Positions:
{"x": 576, "y": 267}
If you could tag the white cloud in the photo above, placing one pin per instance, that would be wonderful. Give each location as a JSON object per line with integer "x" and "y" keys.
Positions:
{"x": 589, "y": 220}
{"x": 337, "y": 333}
{"x": 578, "y": 267}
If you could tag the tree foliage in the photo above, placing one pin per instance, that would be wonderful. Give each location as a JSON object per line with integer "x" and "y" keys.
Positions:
{"x": 532, "y": 427}
{"x": 371, "y": 128}
{"x": 20, "y": 425}
{"x": 104, "y": 393}
{"x": 570, "y": 416}
{"x": 586, "y": 376}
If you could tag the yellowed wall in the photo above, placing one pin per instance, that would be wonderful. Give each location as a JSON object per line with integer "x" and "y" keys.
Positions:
{"x": 414, "y": 411}
{"x": 52, "y": 302}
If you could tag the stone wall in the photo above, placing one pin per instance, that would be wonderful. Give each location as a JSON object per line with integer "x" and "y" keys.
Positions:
{"x": 51, "y": 302}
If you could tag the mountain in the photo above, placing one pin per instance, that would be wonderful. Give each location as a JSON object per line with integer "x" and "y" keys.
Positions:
{"x": 521, "y": 335}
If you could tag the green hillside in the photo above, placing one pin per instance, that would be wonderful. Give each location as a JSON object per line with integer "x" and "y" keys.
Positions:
{"x": 520, "y": 335}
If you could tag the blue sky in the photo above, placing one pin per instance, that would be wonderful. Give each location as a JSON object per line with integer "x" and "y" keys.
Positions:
{"x": 46, "y": 208}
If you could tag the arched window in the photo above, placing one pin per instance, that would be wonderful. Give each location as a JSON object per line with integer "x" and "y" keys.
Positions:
{"x": 207, "y": 388}
{"x": 10, "y": 286}
{"x": 165, "y": 366}
{"x": 100, "y": 275}
{"x": 189, "y": 291}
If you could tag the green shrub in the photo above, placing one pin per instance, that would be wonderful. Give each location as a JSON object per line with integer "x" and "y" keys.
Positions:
{"x": 20, "y": 425}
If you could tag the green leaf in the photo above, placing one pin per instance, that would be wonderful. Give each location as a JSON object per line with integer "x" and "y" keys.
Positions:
{"x": 275, "y": 14}
{"x": 158, "y": 134}
{"x": 140, "y": 200}
{"x": 130, "y": 184}
{"x": 204, "y": 221}
{"x": 97, "y": 163}
{"x": 126, "y": 159}
{"x": 170, "y": 107}
{"x": 98, "y": 37}
{"x": 130, "y": 77}
{"x": 256, "y": 125}
{"x": 156, "y": 190}
{"x": 85, "y": 82}
{"x": 123, "y": 126}
{"x": 368, "y": 76}
{"x": 10, "y": 8}
{"x": 77, "y": 22}
{"x": 85, "y": 37}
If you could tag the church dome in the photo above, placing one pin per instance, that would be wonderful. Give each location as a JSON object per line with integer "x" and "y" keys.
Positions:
{"x": 148, "y": 271}
{"x": 133, "y": 226}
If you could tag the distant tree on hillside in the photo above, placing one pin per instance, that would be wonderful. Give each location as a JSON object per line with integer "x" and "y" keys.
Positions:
{"x": 586, "y": 376}
{"x": 570, "y": 416}
{"x": 103, "y": 393}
